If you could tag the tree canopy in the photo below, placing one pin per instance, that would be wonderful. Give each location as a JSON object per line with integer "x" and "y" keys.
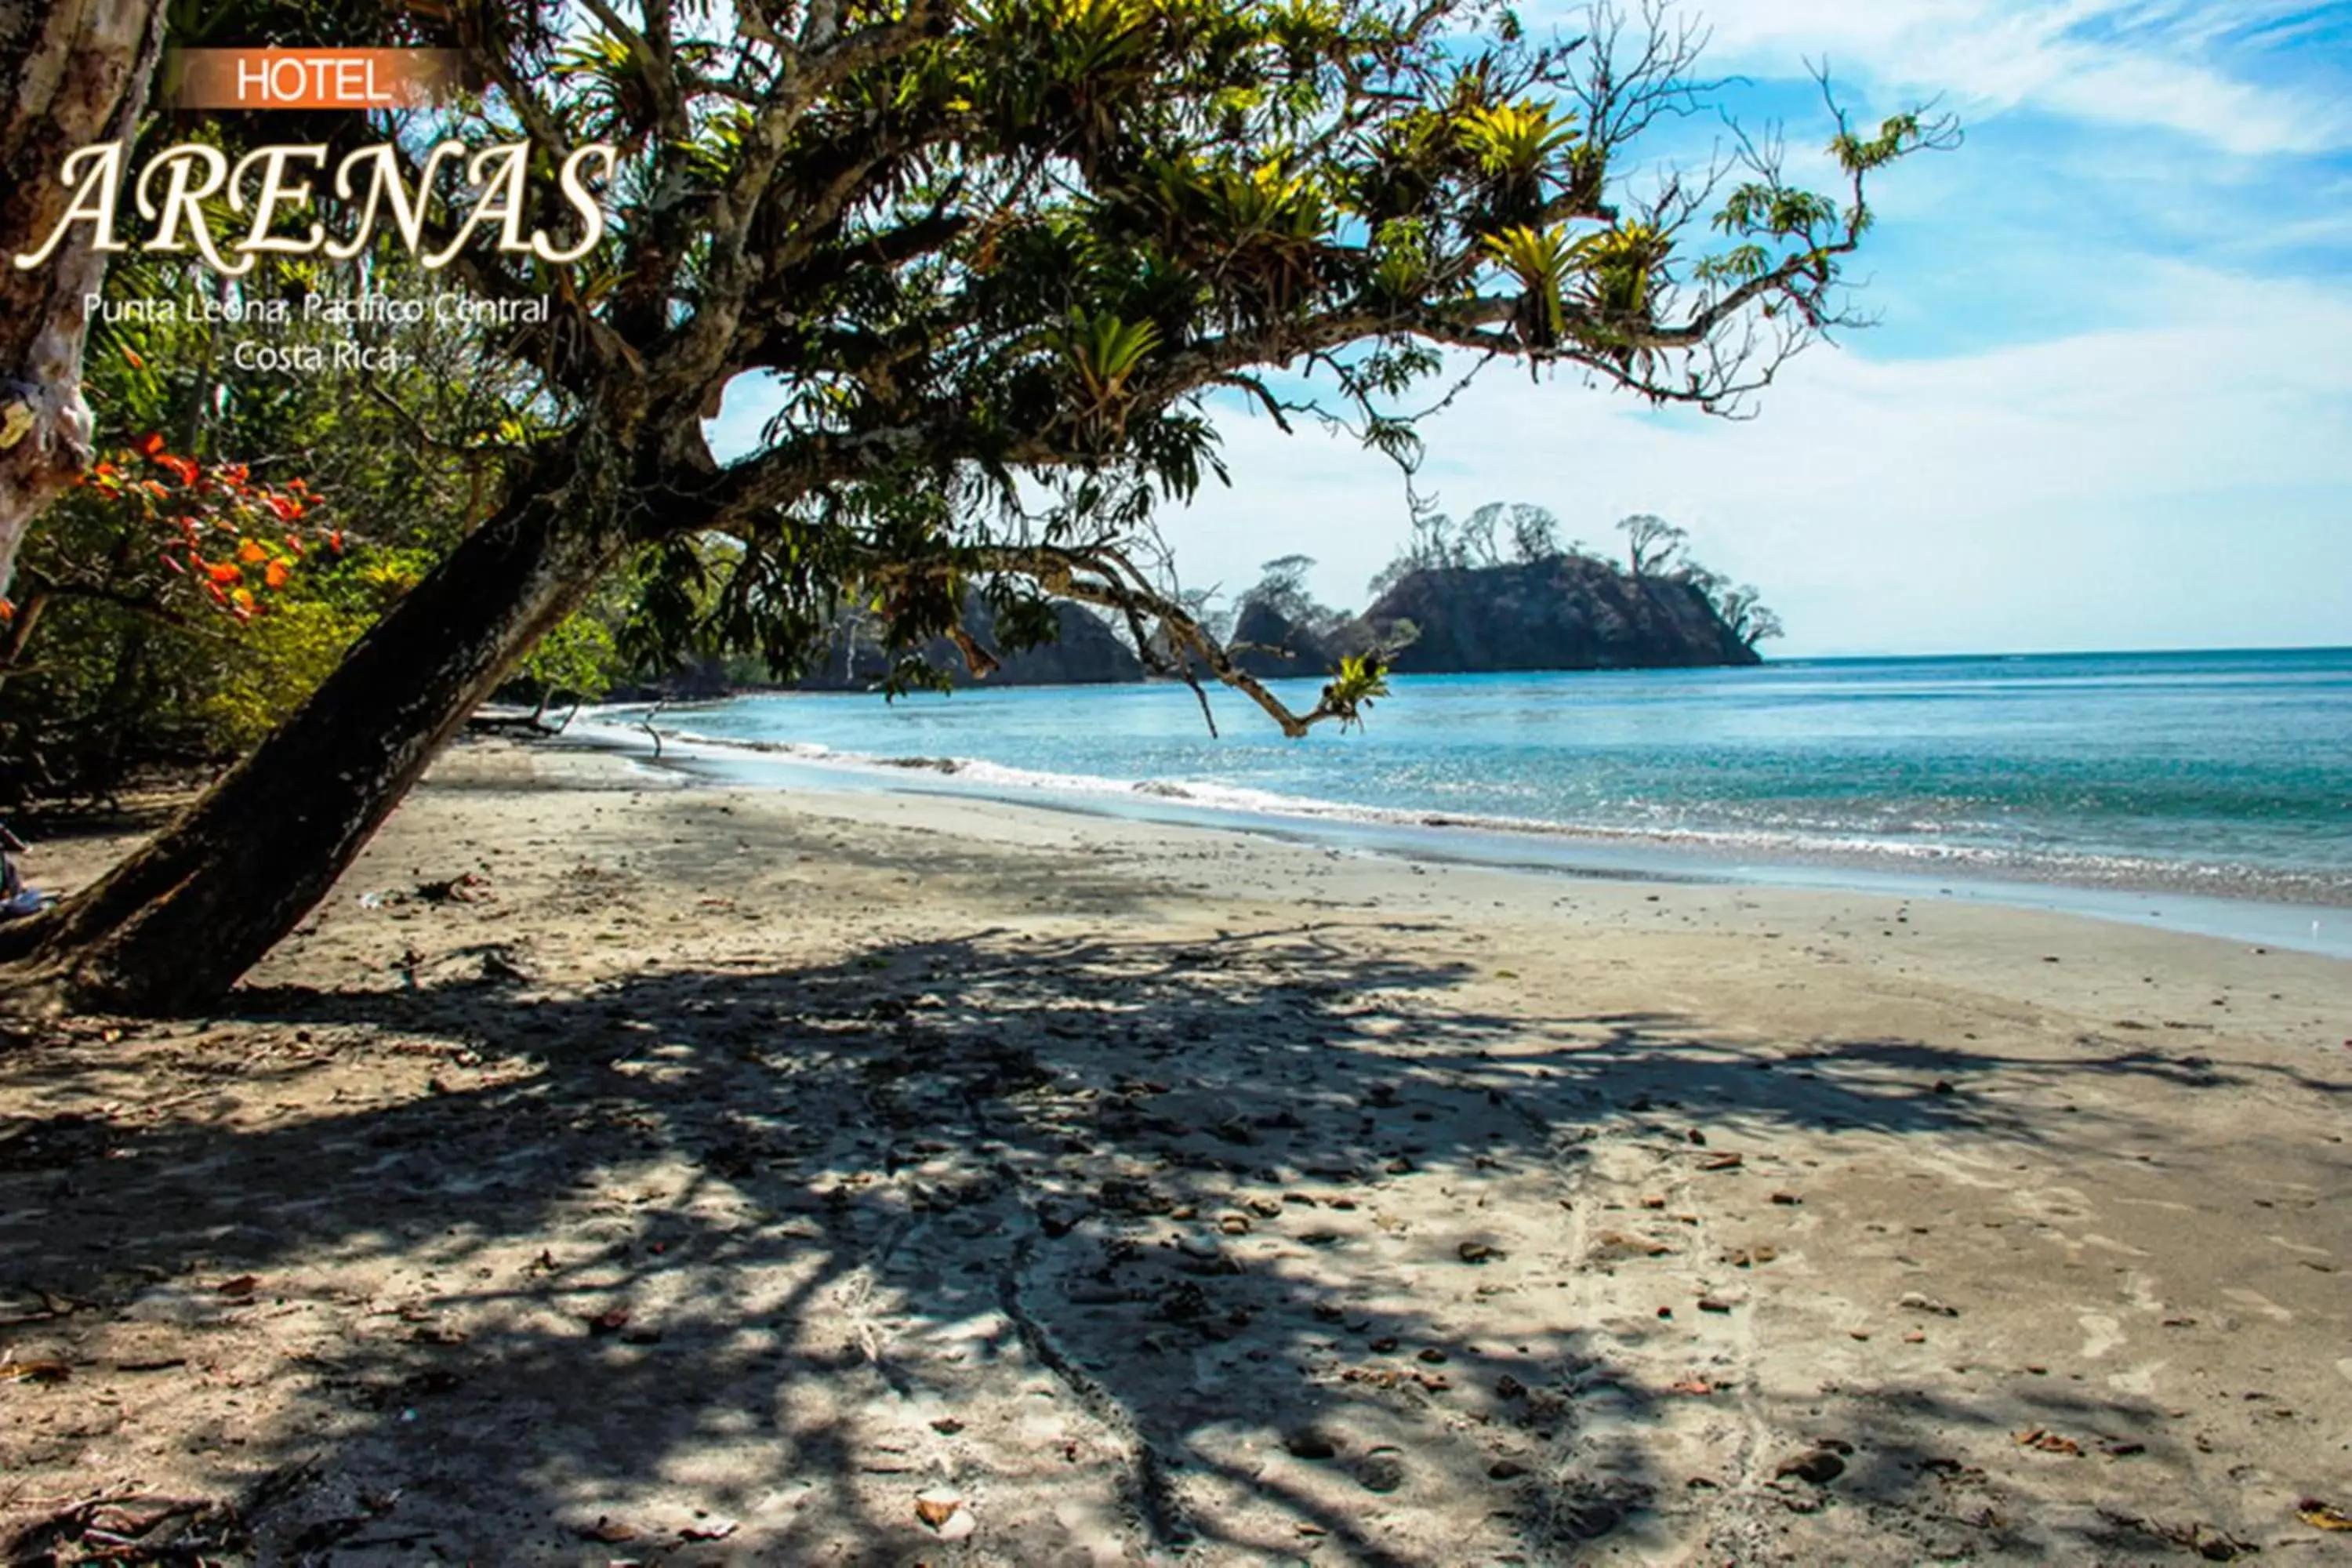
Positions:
{"x": 985, "y": 266}
{"x": 988, "y": 262}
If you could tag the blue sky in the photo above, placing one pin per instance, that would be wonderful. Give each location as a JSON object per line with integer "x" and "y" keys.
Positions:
{"x": 2108, "y": 402}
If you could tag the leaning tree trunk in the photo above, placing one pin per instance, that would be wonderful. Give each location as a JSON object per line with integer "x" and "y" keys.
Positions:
{"x": 71, "y": 72}
{"x": 174, "y": 925}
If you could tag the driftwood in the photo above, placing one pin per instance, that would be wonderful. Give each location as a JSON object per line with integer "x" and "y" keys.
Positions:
{"x": 529, "y": 725}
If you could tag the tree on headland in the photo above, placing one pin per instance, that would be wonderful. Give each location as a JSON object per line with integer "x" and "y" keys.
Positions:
{"x": 1740, "y": 609}
{"x": 1477, "y": 531}
{"x": 1650, "y": 541}
{"x": 1441, "y": 543}
{"x": 1283, "y": 586}
{"x": 989, "y": 263}
{"x": 1279, "y": 628}
{"x": 1202, "y": 606}
{"x": 1437, "y": 541}
{"x": 1430, "y": 547}
{"x": 1743, "y": 611}
{"x": 1707, "y": 581}
{"x": 1277, "y": 612}
{"x": 1535, "y": 533}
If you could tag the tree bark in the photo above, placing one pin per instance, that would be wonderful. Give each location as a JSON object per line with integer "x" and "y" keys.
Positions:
{"x": 174, "y": 925}
{"x": 71, "y": 72}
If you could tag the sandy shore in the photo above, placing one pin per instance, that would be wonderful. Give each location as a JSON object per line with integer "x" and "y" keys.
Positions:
{"x": 617, "y": 1170}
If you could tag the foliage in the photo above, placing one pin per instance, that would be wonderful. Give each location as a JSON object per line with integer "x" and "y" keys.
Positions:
{"x": 277, "y": 663}
{"x": 581, "y": 658}
{"x": 147, "y": 628}
{"x": 234, "y": 539}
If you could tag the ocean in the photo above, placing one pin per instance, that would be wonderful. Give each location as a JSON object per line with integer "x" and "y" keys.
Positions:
{"x": 2217, "y": 775}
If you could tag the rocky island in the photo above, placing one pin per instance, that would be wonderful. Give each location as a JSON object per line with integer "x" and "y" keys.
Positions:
{"x": 1457, "y": 602}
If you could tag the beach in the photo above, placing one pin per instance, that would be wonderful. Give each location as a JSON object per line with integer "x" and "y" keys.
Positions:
{"x": 623, "y": 1166}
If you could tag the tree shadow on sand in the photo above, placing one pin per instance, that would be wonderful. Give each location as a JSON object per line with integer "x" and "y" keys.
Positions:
{"x": 1246, "y": 1248}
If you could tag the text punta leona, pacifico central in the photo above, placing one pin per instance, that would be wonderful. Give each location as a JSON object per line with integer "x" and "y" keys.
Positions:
{"x": 268, "y": 181}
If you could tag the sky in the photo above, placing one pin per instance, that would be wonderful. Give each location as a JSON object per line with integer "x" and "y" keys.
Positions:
{"x": 2106, "y": 401}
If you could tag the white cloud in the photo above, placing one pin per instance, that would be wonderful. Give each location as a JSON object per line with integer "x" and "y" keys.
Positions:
{"x": 2189, "y": 66}
{"x": 2180, "y": 484}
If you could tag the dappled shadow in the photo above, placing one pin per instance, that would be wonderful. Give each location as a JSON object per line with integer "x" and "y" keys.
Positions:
{"x": 1249, "y": 1243}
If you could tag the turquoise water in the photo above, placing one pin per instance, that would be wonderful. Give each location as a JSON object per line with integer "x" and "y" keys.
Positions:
{"x": 2221, "y": 773}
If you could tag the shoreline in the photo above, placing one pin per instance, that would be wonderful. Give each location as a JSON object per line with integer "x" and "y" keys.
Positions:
{"x": 2216, "y": 905}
